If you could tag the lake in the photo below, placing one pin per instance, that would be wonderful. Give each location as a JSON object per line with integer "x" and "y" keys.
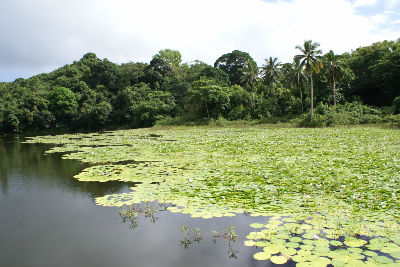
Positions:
{"x": 48, "y": 218}
{"x": 227, "y": 197}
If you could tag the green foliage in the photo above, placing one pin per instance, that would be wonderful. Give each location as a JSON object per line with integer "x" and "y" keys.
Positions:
{"x": 140, "y": 106}
{"x": 345, "y": 114}
{"x": 63, "y": 104}
{"x": 94, "y": 93}
{"x": 271, "y": 71}
{"x": 310, "y": 61}
{"x": 396, "y": 105}
{"x": 234, "y": 64}
{"x": 208, "y": 99}
{"x": 377, "y": 71}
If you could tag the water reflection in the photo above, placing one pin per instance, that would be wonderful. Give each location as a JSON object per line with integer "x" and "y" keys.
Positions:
{"x": 149, "y": 212}
{"x": 30, "y": 162}
{"x": 3, "y": 173}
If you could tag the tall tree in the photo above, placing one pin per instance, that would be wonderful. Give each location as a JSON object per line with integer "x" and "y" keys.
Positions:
{"x": 299, "y": 79}
{"x": 335, "y": 70}
{"x": 310, "y": 60}
{"x": 250, "y": 78}
{"x": 271, "y": 71}
{"x": 233, "y": 64}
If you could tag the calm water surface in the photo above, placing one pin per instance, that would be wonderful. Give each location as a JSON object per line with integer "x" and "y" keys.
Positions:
{"x": 47, "y": 218}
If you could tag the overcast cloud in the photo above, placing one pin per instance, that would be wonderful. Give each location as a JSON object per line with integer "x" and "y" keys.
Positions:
{"x": 41, "y": 35}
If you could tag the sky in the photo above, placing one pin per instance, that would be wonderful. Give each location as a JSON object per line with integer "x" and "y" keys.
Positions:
{"x": 39, "y": 36}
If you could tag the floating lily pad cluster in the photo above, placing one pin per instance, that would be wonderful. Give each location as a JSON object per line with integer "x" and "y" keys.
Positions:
{"x": 314, "y": 242}
{"x": 344, "y": 180}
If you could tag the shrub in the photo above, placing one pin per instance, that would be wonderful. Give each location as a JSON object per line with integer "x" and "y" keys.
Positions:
{"x": 396, "y": 105}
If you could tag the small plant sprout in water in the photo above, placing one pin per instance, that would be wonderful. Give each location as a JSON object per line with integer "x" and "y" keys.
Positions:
{"x": 190, "y": 235}
{"x": 130, "y": 214}
{"x": 230, "y": 236}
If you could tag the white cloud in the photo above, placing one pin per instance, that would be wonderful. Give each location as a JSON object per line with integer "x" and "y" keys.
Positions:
{"x": 395, "y": 22}
{"x": 45, "y": 34}
{"x": 389, "y": 4}
{"x": 360, "y": 3}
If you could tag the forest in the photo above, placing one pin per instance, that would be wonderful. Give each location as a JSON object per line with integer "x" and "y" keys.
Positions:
{"x": 316, "y": 89}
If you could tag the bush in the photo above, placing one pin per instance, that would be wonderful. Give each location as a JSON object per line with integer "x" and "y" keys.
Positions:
{"x": 396, "y": 105}
{"x": 393, "y": 120}
{"x": 345, "y": 114}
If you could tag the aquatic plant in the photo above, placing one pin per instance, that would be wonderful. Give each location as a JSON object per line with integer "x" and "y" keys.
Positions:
{"x": 337, "y": 185}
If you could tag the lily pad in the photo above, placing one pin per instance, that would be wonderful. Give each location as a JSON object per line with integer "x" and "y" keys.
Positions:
{"x": 355, "y": 242}
{"x": 279, "y": 259}
{"x": 382, "y": 259}
{"x": 261, "y": 256}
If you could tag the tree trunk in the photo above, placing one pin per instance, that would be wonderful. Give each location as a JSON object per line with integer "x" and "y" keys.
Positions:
{"x": 301, "y": 92}
{"x": 252, "y": 92}
{"x": 208, "y": 115}
{"x": 334, "y": 91}
{"x": 301, "y": 100}
{"x": 312, "y": 98}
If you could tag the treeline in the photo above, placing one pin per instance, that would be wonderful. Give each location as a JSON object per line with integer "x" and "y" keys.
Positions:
{"x": 94, "y": 94}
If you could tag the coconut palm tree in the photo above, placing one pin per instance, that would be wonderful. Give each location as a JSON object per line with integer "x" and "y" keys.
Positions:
{"x": 271, "y": 71}
{"x": 310, "y": 60}
{"x": 335, "y": 70}
{"x": 250, "y": 78}
{"x": 299, "y": 79}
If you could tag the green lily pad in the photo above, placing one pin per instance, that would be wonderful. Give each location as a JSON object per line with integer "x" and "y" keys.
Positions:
{"x": 295, "y": 239}
{"x": 257, "y": 225}
{"x": 303, "y": 252}
{"x": 249, "y": 243}
{"x": 370, "y": 253}
{"x": 261, "y": 256}
{"x": 262, "y": 243}
{"x": 395, "y": 254}
{"x": 355, "y": 250}
{"x": 278, "y": 259}
{"x": 355, "y": 242}
{"x": 382, "y": 259}
{"x": 336, "y": 243}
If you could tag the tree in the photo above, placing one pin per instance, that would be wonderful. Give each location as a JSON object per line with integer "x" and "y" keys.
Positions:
{"x": 250, "y": 78}
{"x": 207, "y": 95}
{"x": 234, "y": 63}
{"x": 133, "y": 73}
{"x": 271, "y": 71}
{"x": 310, "y": 61}
{"x": 172, "y": 57}
{"x": 335, "y": 70}
{"x": 299, "y": 79}
{"x": 140, "y": 106}
{"x": 376, "y": 71}
{"x": 63, "y": 104}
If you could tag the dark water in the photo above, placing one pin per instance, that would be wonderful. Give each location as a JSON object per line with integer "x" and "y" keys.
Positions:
{"x": 47, "y": 218}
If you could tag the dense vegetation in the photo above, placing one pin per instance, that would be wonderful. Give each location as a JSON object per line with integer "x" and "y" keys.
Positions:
{"x": 93, "y": 94}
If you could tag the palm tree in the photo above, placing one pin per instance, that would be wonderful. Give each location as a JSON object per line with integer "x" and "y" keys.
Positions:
{"x": 335, "y": 70}
{"x": 310, "y": 60}
{"x": 271, "y": 71}
{"x": 250, "y": 78}
{"x": 299, "y": 79}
